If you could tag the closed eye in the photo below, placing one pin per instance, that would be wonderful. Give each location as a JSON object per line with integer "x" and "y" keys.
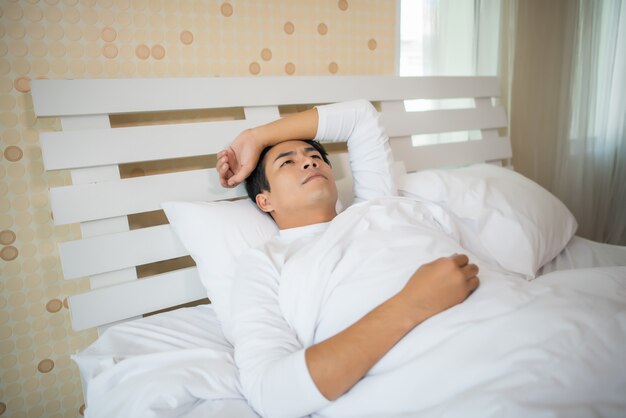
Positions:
{"x": 286, "y": 162}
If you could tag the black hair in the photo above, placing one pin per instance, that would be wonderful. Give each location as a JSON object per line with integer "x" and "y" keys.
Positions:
{"x": 257, "y": 180}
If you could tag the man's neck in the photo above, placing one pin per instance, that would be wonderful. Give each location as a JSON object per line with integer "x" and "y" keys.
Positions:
{"x": 305, "y": 218}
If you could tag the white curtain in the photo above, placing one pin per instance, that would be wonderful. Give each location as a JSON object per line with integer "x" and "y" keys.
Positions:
{"x": 590, "y": 170}
{"x": 565, "y": 65}
{"x": 449, "y": 37}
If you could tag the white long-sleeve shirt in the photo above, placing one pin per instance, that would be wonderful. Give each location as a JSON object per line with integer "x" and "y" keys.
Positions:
{"x": 268, "y": 352}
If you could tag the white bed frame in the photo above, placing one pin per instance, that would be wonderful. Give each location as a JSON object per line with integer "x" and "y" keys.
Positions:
{"x": 100, "y": 200}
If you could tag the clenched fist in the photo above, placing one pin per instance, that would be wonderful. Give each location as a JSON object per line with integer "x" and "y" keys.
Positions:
{"x": 439, "y": 285}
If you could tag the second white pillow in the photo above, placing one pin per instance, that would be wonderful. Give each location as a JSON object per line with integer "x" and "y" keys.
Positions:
{"x": 504, "y": 217}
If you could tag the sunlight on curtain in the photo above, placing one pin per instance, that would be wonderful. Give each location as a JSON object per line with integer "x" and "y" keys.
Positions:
{"x": 590, "y": 173}
{"x": 450, "y": 38}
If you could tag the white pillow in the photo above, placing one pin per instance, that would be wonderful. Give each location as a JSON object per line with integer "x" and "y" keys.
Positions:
{"x": 215, "y": 234}
{"x": 503, "y": 216}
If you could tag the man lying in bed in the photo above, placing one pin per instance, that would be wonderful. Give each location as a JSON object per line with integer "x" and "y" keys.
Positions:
{"x": 286, "y": 369}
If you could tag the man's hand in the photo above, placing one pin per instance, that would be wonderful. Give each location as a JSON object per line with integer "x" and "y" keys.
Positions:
{"x": 236, "y": 162}
{"x": 439, "y": 285}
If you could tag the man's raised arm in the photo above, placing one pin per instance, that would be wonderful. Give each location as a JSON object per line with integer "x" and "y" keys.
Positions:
{"x": 356, "y": 122}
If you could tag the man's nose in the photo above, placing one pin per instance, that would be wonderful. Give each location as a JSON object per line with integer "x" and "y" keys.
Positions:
{"x": 309, "y": 162}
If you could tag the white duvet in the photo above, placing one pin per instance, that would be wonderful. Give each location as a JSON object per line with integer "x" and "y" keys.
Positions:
{"x": 552, "y": 347}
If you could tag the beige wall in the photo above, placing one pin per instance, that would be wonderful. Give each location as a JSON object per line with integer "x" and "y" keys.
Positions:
{"x": 540, "y": 85}
{"x": 129, "y": 38}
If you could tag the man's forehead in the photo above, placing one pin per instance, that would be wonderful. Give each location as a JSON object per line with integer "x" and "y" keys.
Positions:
{"x": 292, "y": 145}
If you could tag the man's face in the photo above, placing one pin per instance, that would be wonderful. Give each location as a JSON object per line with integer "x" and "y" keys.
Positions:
{"x": 299, "y": 180}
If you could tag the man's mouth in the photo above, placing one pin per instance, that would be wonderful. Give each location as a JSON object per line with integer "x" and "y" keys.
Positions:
{"x": 312, "y": 177}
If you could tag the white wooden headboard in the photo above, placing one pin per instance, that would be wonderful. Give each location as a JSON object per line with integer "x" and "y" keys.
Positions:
{"x": 100, "y": 200}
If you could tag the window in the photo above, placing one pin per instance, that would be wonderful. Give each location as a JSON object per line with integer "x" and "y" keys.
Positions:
{"x": 448, "y": 38}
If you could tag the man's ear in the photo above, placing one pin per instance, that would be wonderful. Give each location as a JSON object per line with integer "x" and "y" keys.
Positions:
{"x": 263, "y": 202}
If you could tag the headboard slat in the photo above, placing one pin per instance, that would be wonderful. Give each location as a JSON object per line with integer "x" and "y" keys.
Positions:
{"x": 112, "y": 96}
{"x": 107, "y": 199}
{"x": 135, "y": 298}
{"x": 116, "y": 251}
{"x": 451, "y": 154}
{"x": 437, "y": 121}
{"x": 74, "y": 149}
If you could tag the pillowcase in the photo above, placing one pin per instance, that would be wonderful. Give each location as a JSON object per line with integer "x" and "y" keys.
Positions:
{"x": 215, "y": 234}
{"x": 503, "y": 217}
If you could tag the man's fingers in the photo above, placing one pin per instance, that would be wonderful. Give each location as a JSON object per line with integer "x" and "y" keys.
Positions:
{"x": 229, "y": 153}
{"x": 223, "y": 168}
{"x": 461, "y": 260}
{"x": 469, "y": 270}
{"x": 473, "y": 283}
{"x": 234, "y": 180}
{"x": 226, "y": 166}
{"x": 240, "y": 176}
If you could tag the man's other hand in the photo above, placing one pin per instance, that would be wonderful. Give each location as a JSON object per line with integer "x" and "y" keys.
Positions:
{"x": 439, "y": 285}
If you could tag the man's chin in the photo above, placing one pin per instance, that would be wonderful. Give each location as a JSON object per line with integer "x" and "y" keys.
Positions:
{"x": 319, "y": 200}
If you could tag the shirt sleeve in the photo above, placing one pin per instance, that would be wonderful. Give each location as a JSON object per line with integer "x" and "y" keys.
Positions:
{"x": 272, "y": 368}
{"x": 358, "y": 123}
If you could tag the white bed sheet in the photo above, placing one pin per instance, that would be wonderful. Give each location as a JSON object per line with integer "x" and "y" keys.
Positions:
{"x": 583, "y": 253}
{"x": 178, "y": 364}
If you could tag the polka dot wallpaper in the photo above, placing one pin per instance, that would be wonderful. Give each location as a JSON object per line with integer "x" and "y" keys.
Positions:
{"x": 60, "y": 39}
